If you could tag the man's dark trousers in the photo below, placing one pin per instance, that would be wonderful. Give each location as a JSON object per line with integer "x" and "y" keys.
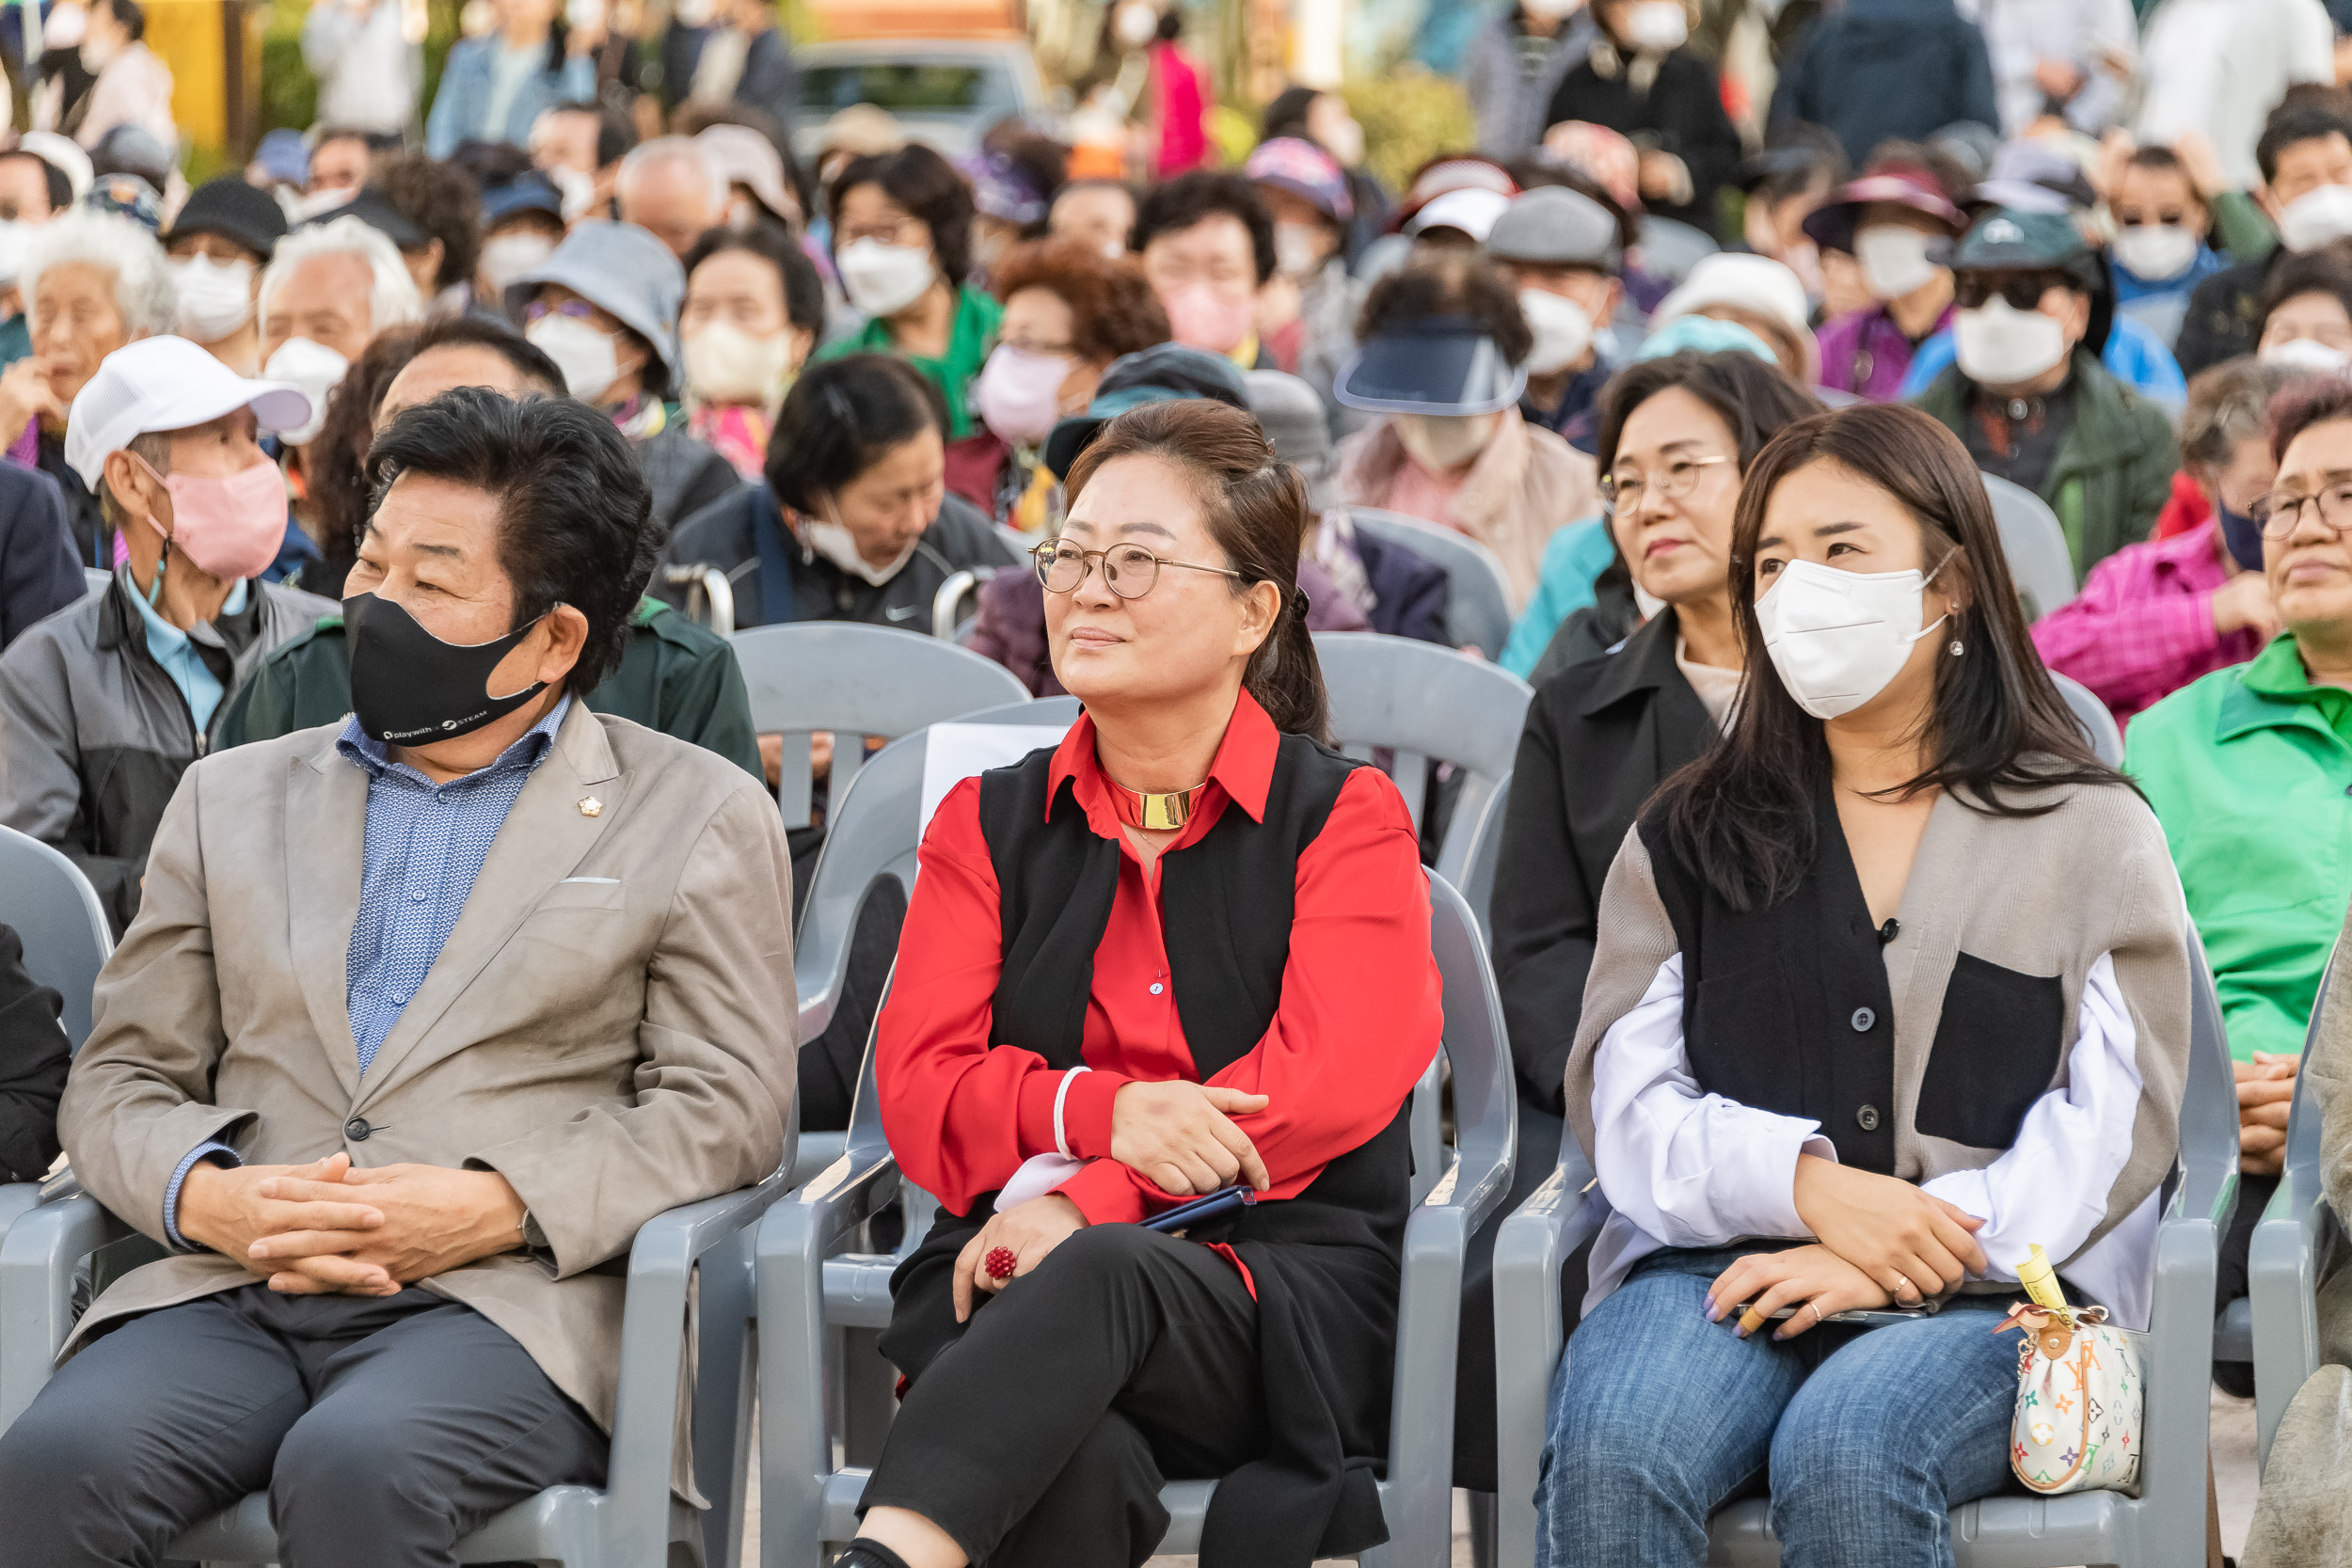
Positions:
{"x": 384, "y": 1429}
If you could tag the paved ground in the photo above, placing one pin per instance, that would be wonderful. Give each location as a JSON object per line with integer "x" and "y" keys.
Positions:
{"x": 2233, "y": 1461}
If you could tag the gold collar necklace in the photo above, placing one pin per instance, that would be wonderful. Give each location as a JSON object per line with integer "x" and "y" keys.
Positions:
{"x": 1154, "y": 814}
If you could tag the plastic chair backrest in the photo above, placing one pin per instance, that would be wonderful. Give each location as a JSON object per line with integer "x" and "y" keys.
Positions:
{"x": 1478, "y": 593}
{"x": 1428, "y": 704}
{"x": 55, "y": 913}
{"x": 2303, "y": 1140}
{"x": 2209, "y": 1118}
{"x": 2035, "y": 544}
{"x": 856, "y": 680}
{"x": 875, "y": 831}
{"x": 2096, "y": 719}
{"x": 1477, "y": 1046}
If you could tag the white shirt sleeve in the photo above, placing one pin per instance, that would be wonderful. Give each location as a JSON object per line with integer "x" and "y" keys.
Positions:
{"x": 2053, "y": 1185}
{"x": 1688, "y": 1168}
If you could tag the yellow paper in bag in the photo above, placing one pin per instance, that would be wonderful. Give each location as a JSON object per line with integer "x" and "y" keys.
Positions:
{"x": 2040, "y": 1280}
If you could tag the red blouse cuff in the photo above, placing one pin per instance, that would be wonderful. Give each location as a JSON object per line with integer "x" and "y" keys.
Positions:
{"x": 1106, "y": 1193}
{"x": 1086, "y": 1112}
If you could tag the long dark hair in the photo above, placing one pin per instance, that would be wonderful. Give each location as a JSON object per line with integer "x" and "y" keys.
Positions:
{"x": 1255, "y": 506}
{"x": 1998, "y": 736}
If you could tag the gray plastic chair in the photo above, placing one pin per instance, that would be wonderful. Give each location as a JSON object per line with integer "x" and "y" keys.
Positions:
{"x": 55, "y": 913}
{"x": 709, "y": 595}
{"x": 810, "y": 1286}
{"x": 2298, "y": 1238}
{"x": 2162, "y": 1528}
{"x": 2096, "y": 719}
{"x": 2039, "y": 560}
{"x": 874, "y": 835}
{"x": 1478, "y": 591}
{"x": 1429, "y": 703}
{"x": 855, "y": 679}
{"x": 632, "y": 1521}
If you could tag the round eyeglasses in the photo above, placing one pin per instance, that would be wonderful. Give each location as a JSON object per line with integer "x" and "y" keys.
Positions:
{"x": 1128, "y": 570}
{"x": 1677, "y": 479}
{"x": 2279, "y": 516}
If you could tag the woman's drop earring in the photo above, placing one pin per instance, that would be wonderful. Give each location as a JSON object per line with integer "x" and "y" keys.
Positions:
{"x": 1956, "y": 647}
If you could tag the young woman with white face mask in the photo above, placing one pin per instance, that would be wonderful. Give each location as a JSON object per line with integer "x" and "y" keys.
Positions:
{"x": 754, "y": 307}
{"x": 902, "y": 243}
{"x": 1873, "y": 1014}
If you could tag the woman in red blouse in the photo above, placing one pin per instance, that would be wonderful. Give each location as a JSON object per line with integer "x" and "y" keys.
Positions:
{"x": 1187, "y": 948}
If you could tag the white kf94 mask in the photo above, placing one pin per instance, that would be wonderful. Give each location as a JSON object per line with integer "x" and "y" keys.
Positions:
{"x": 1838, "y": 638}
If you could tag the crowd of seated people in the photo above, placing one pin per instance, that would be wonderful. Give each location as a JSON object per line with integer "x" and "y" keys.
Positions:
{"x": 361, "y": 517}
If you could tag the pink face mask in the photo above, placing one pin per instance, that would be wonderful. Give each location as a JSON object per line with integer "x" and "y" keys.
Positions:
{"x": 1019, "y": 393}
{"x": 1196, "y": 318}
{"x": 230, "y": 527}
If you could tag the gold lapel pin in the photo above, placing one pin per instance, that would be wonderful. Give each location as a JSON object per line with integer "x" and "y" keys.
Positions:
{"x": 591, "y": 806}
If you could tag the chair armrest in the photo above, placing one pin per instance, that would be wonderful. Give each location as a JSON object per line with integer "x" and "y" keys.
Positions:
{"x": 1529, "y": 1335}
{"x": 661, "y": 1265}
{"x": 2282, "y": 1280}
{"x": 796, "y": 1446}
{"x": 37, "y": 1257}
{"x": 1420, "y": 1416}
{"x": 2177, "y": 1370}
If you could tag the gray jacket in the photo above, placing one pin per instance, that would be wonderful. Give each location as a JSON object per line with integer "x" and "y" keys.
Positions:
{"x": 94, "y": 735}
{"x": 1510, "y": 107}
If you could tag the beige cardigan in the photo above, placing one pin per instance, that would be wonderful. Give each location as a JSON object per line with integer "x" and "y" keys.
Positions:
{"x": 2041, "y": 896}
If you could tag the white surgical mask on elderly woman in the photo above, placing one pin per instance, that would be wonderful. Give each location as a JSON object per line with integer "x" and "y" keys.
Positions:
{"x": 586, "y": 357}
{"x": 836, "y": 543}
{"x": 883, "y": 279}
{"x": 1894, "y": 260}
{"x": 2306, "y": 354}
{"x": 726, "y": 364}
{"x": 1440, "y": 442}
{"x": 509, "y": 256}
{"x": 1838, "y": 639}
{"x": 215, "y": 297}
{"x": 315, "y": 368}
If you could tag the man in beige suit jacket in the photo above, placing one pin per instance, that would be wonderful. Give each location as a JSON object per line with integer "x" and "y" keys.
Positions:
{"x": 420, "y": 1019}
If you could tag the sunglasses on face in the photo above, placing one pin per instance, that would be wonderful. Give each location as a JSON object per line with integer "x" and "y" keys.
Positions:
{"x": 2023, "y": 290}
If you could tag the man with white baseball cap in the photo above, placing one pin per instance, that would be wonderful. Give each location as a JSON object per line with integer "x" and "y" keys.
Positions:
{"x": 106, "y": 704}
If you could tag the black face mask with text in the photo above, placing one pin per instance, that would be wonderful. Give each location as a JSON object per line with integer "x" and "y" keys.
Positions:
{"x": 409, "y": 688}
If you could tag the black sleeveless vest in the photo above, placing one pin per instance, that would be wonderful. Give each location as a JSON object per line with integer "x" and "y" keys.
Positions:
{"x": 1227, "y": 903}
{"x": 1787, "y": 1008}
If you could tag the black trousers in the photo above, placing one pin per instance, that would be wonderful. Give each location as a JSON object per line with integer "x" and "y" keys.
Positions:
{"x": 384, "y": 1429}
{"x": 1042, "y": 1431}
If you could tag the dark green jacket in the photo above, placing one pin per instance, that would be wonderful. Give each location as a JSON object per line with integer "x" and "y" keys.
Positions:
{"x": 676, "y": 676}
{"x": 2113, "y": 471}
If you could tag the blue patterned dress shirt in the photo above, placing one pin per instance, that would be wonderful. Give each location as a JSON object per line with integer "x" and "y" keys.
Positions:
{"x": 425, "y": 845}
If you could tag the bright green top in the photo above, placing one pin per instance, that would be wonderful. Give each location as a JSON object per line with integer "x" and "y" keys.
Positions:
{"x": 2248, "y": 770}
{"x": 978, "y": 317}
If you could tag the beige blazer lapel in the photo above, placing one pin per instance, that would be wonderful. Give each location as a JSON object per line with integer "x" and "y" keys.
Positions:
{"x": 545, "y": 836}
{"x": 326, "y": 827}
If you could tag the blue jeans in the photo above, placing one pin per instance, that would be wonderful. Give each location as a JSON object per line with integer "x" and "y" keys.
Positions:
{"x": 1659, "y": 1417}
